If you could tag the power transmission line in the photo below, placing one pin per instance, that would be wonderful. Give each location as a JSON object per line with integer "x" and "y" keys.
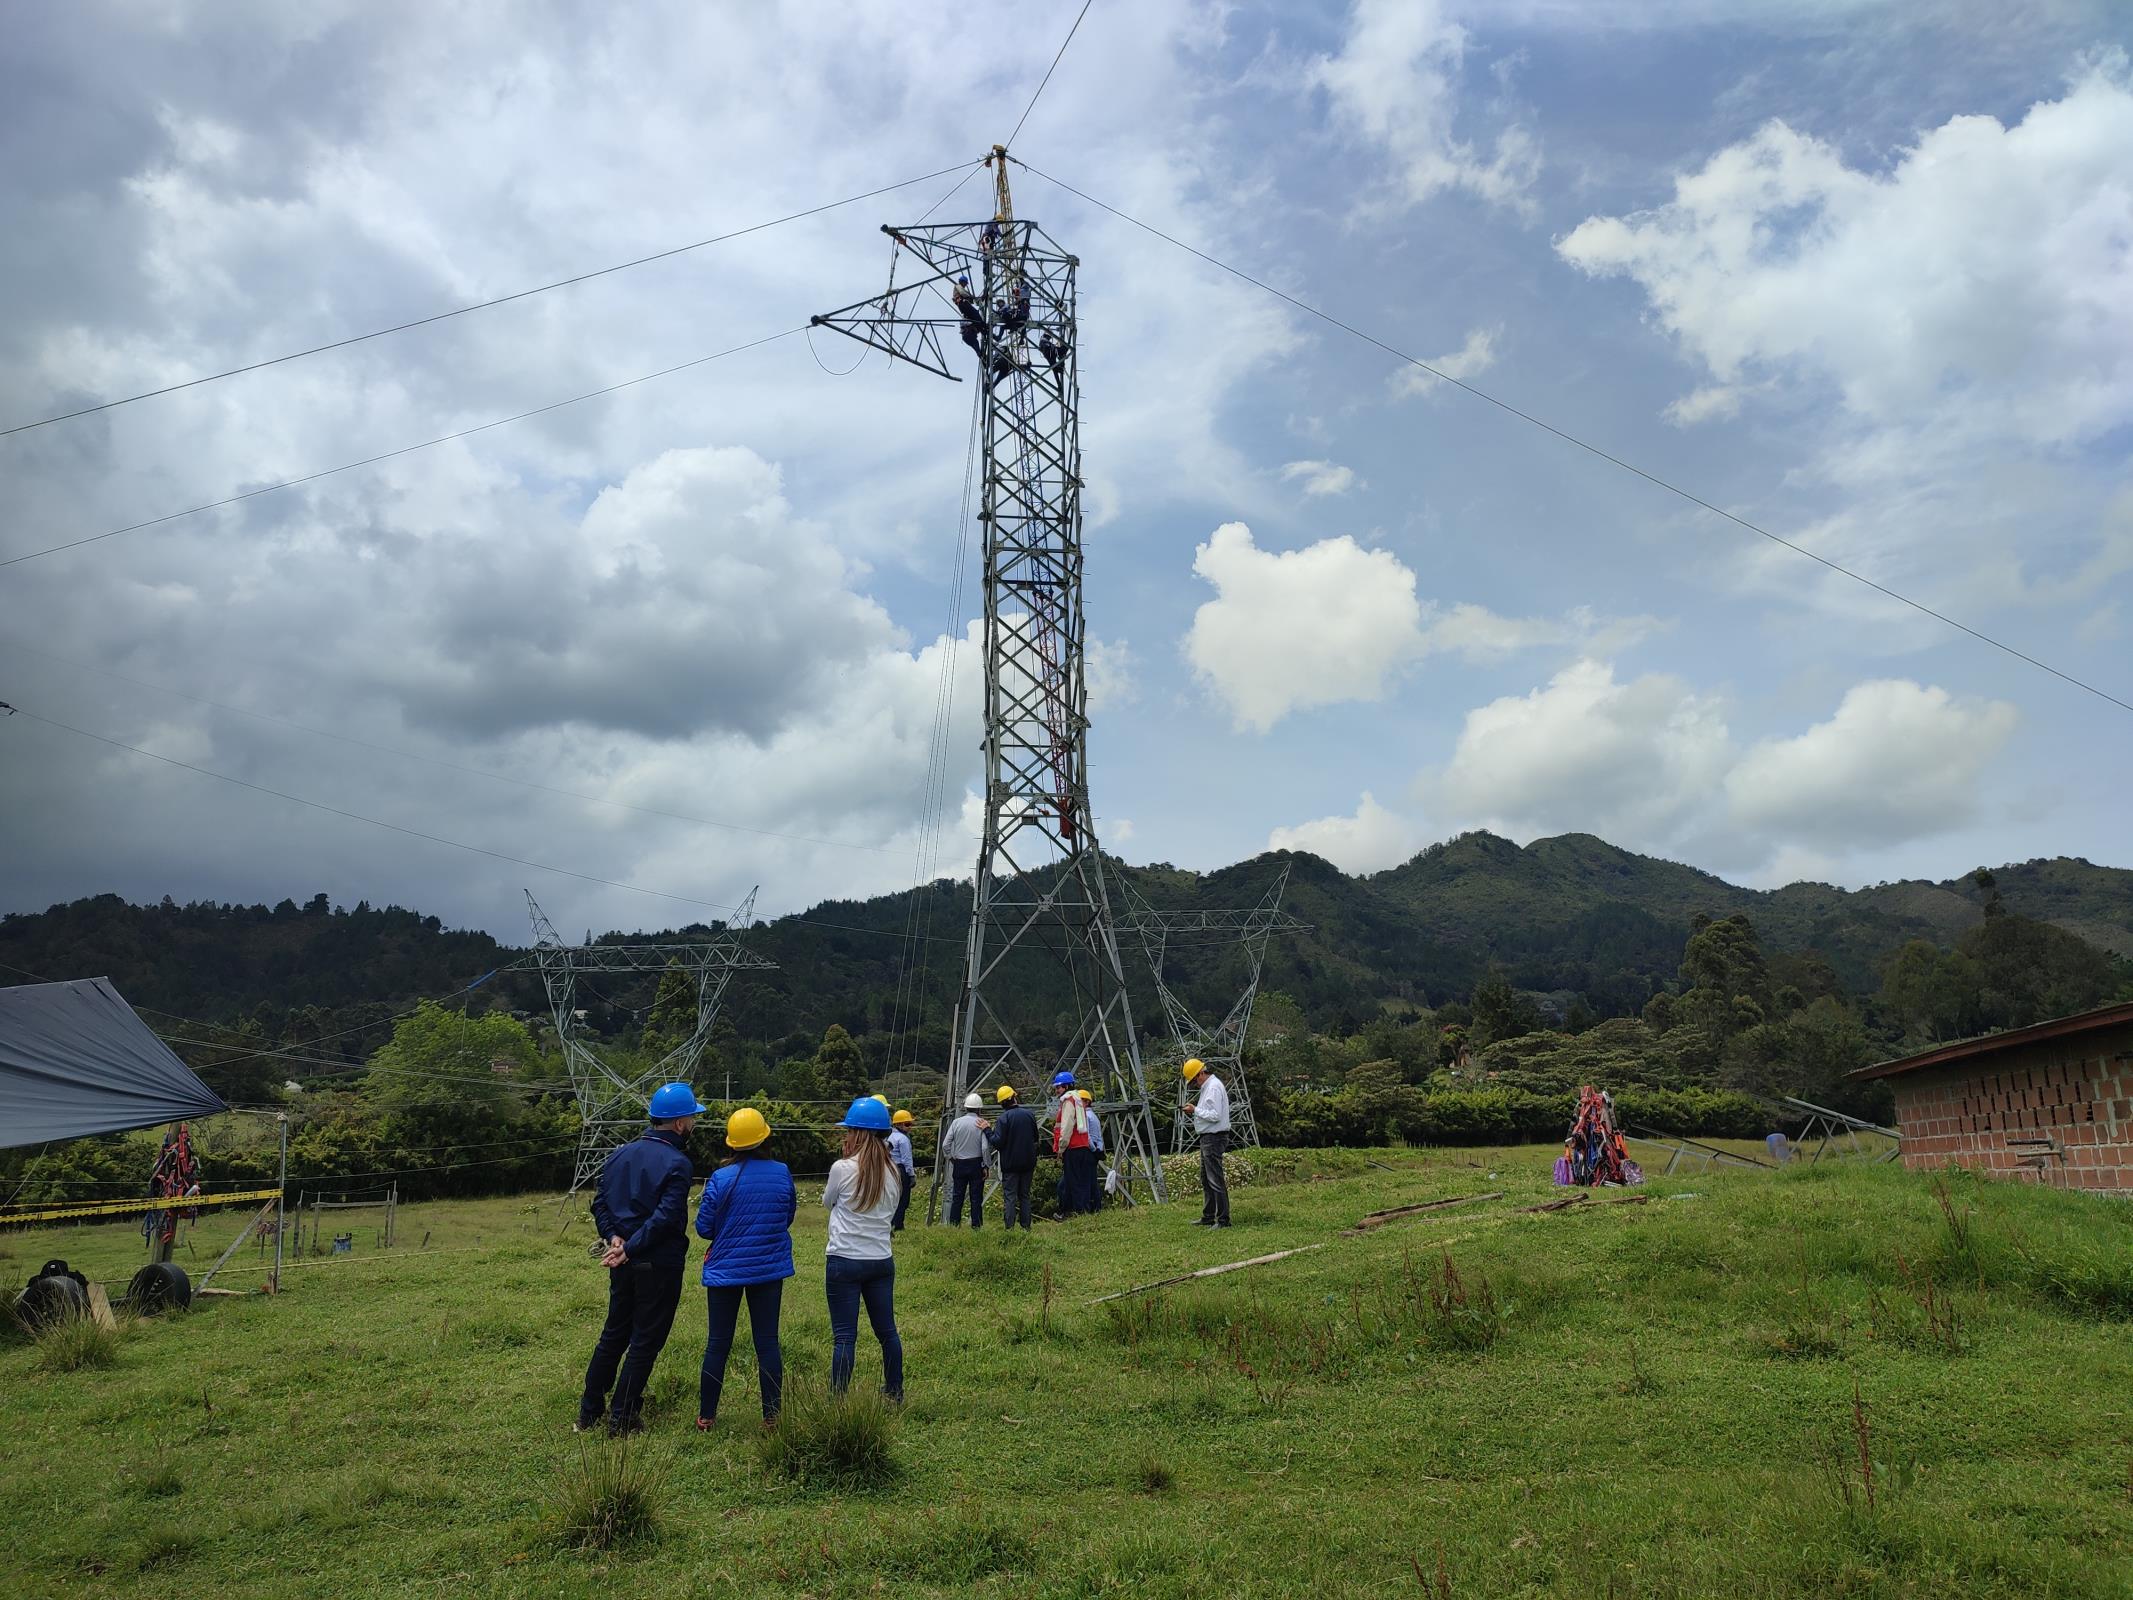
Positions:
{"x": 1591, "y": 449}
{"x": 480, "y": 305}
{"x": 408, "y": 449}
{"x": 439, "y": 761}
{"x": 1048, "y": 71}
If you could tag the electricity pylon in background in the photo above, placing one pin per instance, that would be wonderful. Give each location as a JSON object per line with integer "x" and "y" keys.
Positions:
{"x": 611, "y": 1100}
{"x": 1044, "y": 987}
{"x": 1221, "y": 1046}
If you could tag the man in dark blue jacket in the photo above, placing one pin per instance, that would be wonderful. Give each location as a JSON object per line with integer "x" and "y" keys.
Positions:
{"x": 1014, "y": 1136}
{"x": 642, "y": 1207}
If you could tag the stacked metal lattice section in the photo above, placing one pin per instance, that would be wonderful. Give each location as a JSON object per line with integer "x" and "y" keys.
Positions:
{"x": 1220, "y": 1046}
{"x": 611, "y": 1100}
{"x": 1044, "y": 987}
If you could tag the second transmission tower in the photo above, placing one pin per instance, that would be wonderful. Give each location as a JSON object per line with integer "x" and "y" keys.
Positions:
{"x": 1044, "y": 987}
{"x": 1220, "y": 1045}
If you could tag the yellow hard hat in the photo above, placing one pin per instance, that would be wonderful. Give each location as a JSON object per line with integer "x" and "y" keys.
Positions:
{"x": 1195, "y": 1067}
{"x": 1004, "y": 1093}
{"x": 884, "y": 1099}
{"x": 746, "y": 1129}
{"x": 902, "y": 1117}
{"x": 1083, "y": 1096}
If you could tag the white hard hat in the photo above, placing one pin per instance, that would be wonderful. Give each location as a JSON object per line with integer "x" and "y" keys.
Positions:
{"x": 973, "y": 1101}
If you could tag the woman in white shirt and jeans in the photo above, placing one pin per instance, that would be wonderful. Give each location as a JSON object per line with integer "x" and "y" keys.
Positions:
{"x": 860, "y": 1198}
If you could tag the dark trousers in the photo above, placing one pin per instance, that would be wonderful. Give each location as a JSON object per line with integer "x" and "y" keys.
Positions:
{"x": 847, "y": 1283}
{"x": 641, "y": 1297}
{"x": 903, "y": 1201}
{"x": 1014, "y": 1195}
{"x": 723, "y": 1306}
{"x": 1077, "y": 1180}
{"x": 969, "y": 1179}
{"x": 1214, "y": 1182}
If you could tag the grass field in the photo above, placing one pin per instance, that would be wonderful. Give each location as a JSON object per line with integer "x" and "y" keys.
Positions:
{"x": 1659, "y": 1402}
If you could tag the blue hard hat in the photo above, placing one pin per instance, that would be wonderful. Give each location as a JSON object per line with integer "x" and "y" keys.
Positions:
{"x": 673, "y": 1100}
{"x": 1064, "y": 1080}
{"x": 867, "y": 1113}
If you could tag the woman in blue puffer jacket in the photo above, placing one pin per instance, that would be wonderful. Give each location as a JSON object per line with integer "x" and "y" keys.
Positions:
{"x": 746, "y": 1213}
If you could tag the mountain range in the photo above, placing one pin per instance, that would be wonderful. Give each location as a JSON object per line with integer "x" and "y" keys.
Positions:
{"x": 1565, "y": 917}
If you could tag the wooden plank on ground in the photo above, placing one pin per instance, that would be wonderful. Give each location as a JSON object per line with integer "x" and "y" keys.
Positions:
{"x": 1378, "y": 1219}
{"x": 100, "y": 1307}
{"x": 1208, "y": 1272}
{"x": 1565, "y": 1203}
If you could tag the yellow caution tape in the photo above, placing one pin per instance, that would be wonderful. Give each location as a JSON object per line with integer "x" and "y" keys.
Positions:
{"x": 139, "y": 1207}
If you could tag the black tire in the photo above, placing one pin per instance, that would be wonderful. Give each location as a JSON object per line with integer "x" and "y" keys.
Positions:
{"x": 160, "y": 1286}
{"x": 52, "y": 1300}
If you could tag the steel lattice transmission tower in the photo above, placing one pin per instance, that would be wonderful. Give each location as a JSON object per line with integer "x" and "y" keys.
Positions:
{"x": 610, "y": 1099}
{"x": 1042, "y": 967}
{"x": 1222, "y": 1045}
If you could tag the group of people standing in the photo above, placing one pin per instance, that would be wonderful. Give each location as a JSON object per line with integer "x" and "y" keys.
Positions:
{"x": 973, "y": 1147}
{"x": 748, "y": 1206}
{"x": 746, "y": 1214}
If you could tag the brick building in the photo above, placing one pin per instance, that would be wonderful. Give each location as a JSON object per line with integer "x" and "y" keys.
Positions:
{"x": 2052, "y": 1103}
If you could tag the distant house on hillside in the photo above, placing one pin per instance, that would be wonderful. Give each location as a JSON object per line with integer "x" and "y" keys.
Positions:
{"x": 2052, "y": 1102}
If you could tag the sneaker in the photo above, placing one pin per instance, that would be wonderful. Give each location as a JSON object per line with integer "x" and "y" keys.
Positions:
{"x": 706, "y": 1424}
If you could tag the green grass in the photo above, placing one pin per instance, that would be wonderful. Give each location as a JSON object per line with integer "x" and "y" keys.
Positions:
{"x": 1652, "y": 1400}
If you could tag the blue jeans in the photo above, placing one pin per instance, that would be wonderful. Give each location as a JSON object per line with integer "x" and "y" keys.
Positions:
{"x": 847, "y": 1282}
{"x": 970, "y": 1181}
{"x": 723, "y": 1306}
{"x": 903, "y": 1201}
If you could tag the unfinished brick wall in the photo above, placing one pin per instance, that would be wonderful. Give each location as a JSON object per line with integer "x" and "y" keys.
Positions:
{"x": 2059, "y": 1111}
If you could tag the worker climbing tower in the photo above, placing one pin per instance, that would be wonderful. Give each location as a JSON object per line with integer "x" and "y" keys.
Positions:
{"x": 1043, "y": 988}
{"x": 1221, "y": 1045}
{"x": 612, "y": 1098}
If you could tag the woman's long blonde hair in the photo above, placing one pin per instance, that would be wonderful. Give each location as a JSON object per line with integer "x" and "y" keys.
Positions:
{"x": 871, "y": 1153}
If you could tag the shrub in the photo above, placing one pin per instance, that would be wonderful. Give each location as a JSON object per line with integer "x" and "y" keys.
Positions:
{"x": 830, "y": 1441}
{"x": 73, "y": 1343}
{"x": 608, "y": 1498}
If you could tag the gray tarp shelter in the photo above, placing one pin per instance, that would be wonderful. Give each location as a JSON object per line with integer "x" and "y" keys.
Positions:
{"x": 75, "y": 1060}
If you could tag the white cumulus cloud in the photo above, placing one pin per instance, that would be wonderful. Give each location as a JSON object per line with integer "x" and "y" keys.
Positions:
{"x": 1395, "y": 84}
{"x": 1369, "y": 841}
{"x": 1989, "y": 270}
{"x": 1291, "y": 629}
{"x": 1897, "y": 761}
{"x": 1586, "y": 752}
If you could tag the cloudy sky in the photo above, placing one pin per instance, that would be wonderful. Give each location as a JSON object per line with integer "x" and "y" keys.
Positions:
{"x": 1861, "y": 273}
